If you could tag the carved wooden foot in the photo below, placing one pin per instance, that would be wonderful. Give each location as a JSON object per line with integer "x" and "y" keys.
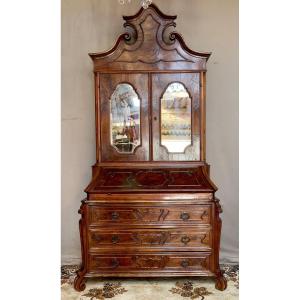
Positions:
{"x": 79, "y": 282}
{"x": 221, "y": 283}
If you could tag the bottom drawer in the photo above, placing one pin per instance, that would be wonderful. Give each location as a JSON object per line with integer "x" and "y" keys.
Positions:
{"x": 144, "y": 262}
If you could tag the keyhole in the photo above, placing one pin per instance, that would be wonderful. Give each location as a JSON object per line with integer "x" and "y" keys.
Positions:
{"x": 155, "y": 118}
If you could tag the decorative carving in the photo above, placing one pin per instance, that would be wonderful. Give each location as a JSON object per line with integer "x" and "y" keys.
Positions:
{"x": 202, "y": 239}
{"x": 204, "y": 214}
{"x": 131, "y": 33}
{"x": 148, "y": 31}
{"x": 158, "y": 238}
{"x": 163, "y": 214}
{"x": 79, "y": 282}
{"x": 96, "y": 237}
{"x": 221, "y": 282}
{"x": 151, "y": 178}
{"x": 140, "y": 214}
{"x": 150, "y": 262}
{"x": 101, "y": 262}
{"x": 218, "y": 205}
{"x": 193, "y": 262}
{"x": 169, "y": 38}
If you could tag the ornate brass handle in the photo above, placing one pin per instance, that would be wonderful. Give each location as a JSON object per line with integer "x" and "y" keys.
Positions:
{"x": 184, "y": 263}
{"x": 185, "y": 239}
{"x": 115, "y": 215}
{"x": 115, "y": 239}
{"x": 115, "y": 263}
{"x": 184, "y": 216}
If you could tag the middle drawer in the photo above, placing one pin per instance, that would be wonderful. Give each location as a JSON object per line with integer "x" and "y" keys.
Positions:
{"x": 187, "y": 238}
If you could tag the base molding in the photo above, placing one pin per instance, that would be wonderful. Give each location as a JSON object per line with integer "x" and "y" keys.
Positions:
{"x": 76, "y": 260}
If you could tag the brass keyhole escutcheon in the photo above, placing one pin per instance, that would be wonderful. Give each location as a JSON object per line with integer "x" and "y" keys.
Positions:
{"x": 184, "y": 216}
{"x": 115, "y": 263}
{"x": 115, "y": 239}
{"x": 184, "y": 263}
{"x": 115, "y": 216}
{"x": 185, "y": 239}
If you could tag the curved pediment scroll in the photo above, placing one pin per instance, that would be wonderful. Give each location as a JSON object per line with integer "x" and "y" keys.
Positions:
{"x": 149, "y": 45}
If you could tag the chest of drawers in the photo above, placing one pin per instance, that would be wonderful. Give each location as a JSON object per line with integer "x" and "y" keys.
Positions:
{"x": 150, "y": 235}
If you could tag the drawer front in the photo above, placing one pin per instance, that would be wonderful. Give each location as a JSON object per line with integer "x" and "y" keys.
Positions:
{"x": 167, "y": 262}
{"x": 110, "y": 215}
{"x": 183, "y": 239}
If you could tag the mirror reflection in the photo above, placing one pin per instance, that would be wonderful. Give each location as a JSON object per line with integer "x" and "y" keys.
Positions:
{"x": 125, "y": 118}
{"x": 176, "y": 118}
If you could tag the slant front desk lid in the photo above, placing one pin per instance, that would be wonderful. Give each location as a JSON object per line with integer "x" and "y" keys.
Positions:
{"x": 154, "y": 179}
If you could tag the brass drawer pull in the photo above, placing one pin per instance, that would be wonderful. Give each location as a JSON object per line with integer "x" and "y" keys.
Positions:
{"x": 115, "y": 215}
{"x": 185, "y": 239}
{"x": 115, "y": 239}
{"x": 184, "y": 263}
{"x": 184, "y": 216}
{"x": 115, "y": 263}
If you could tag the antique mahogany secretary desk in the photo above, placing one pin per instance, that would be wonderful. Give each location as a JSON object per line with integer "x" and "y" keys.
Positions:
{"x": 150, "y": 208}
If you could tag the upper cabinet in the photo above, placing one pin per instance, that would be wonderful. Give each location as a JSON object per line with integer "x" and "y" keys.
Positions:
{"x": 150, "y": 94}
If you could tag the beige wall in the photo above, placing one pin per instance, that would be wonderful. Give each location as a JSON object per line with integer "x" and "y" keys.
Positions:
{"x": 94, "y": 25}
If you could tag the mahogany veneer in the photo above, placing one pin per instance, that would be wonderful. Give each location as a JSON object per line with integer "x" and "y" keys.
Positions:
{"x": 150, "y": 211}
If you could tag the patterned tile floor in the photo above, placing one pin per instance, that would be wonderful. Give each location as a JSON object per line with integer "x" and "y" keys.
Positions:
{"x": 150, "y": 289}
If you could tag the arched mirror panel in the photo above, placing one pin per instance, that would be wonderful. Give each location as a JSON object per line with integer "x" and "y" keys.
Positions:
{"x": 125, "y": 107}
{"x": 176, "y": 118}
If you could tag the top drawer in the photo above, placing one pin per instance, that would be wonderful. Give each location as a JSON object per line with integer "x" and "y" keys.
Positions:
{"x": 150, "y": 215}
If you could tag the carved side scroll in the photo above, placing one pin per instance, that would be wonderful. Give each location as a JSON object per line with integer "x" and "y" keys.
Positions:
{"x": 79, "y": 282}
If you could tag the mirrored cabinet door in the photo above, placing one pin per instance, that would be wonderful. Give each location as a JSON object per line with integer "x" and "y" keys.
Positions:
{"x": 176, "y": 117}
{"x": 124, "y": 117}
